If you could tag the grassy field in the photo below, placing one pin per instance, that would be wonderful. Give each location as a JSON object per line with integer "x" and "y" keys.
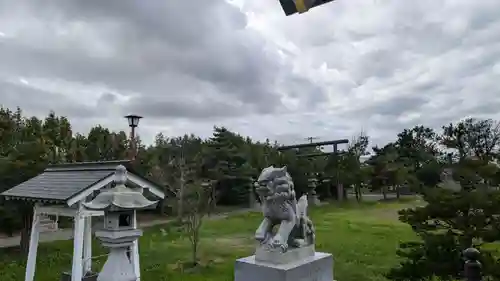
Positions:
{"x": 363, "y": 240}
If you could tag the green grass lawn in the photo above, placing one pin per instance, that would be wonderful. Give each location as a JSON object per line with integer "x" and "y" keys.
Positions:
{"x": 363, "y": 240}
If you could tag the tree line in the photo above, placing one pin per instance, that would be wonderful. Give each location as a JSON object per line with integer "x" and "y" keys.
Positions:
{"x": 417, "y": 161}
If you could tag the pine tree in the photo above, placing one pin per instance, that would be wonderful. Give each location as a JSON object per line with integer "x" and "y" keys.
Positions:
{"x": 227, "y": 164}
{"x": 453, "y": 220}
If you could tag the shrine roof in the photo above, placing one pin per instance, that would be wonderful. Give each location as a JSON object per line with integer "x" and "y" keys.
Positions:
{"x": 65, "y": 182}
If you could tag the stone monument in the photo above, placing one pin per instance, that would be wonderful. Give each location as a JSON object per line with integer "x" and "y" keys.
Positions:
{"x": 119, "y": 233}
{"x": 286, "y": 253}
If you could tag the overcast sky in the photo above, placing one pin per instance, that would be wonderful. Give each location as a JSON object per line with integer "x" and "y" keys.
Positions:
{"x": 350, "y": 65}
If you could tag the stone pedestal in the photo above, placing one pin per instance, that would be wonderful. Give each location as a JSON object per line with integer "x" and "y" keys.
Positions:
{"x": 118, "y": 266}
{"x": 256, "y": 205}
{"x": 313, "y": 199}
{"x": 318, "y": 267}
{"x": 275, "y": 256}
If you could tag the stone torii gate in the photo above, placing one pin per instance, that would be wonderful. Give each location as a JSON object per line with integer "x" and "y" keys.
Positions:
{"x": 62, "y": 190}
{"x": 334, "y": 143}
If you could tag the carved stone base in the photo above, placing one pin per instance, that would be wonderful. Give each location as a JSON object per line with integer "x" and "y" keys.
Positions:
{"x": 318, "y": 267}
{"x": 275, "y": 256}
{"x": 117, "y": 267}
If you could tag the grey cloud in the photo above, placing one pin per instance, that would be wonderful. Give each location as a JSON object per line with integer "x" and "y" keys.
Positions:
{"x": 310, "y": 94}
{"x": 378, "y": 64}
{"x": 290, "y": 139}
{"x": 33, "y": 62}
{"x": 391, "y": 108}
{"x": 179, "y": 108}
{"x": 107, "y": 98}
{"x": 147, "y": 41}
{"x": 489, "y": 108}
{"x": 484, "y": 17}
{"x": 182, "y": 23}
{"x": 427, "y": 38}
{"x": 457, "y": 68}
{"x": 426, "y": 87}
{"x": 40, "y": 103}
{"x": 165, "y": 54}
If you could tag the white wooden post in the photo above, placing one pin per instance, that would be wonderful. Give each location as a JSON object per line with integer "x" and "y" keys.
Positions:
{"x": 79, "y": 228}
{"x": 33, "y": 247}
{"x": 134, "y": 255}
{"x": 87, "y": 245}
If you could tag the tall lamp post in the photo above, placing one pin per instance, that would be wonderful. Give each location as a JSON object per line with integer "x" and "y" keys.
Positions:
{"x": 133, "y": 122}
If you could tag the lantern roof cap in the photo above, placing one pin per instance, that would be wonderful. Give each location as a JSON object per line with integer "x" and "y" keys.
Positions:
{"x": 119, "y": 197}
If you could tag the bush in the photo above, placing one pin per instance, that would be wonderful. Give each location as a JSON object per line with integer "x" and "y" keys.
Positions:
{"x": 447, "y": 225}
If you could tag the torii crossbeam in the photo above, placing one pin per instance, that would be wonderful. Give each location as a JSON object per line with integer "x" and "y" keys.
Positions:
{"x": 334, "y": 143}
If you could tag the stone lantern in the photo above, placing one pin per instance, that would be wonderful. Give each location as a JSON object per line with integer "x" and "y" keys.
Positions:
{"x": 312, "y": 196}
{"x": 253, "y": 202}
{"x": 119, "y": 233}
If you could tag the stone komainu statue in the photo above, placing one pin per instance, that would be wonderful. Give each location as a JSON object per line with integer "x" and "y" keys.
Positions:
{"x": 280, "y": 207}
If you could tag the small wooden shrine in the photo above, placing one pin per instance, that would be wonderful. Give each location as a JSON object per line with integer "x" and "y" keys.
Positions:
{"x": 62, "y": 190}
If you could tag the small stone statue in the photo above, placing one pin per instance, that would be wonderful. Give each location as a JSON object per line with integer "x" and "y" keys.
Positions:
{"x": 280, "y": 207}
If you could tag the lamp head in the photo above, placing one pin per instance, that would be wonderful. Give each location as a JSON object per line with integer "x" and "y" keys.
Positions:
{"x": 133, "y": 120}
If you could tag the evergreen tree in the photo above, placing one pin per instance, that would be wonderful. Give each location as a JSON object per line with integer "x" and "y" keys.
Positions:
{"x": 453, "y": 220}
{"x": 227, "y": 162}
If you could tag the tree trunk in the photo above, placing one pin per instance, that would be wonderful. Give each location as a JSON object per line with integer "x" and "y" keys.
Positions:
{"x": 332, "y": 190}
{"x": 398, "y": 192}
{"x": 328, "y": 189}
{"x": 162, "y": 208}
{"x": 27, "y": 218}
{"x": 180, "y": 201}
{"x": 195, "y": 241}
{"x": 384, "y": 192}
{"x": 195, "y": 251}
{"x": 357, "y": 190}
{"x": 340, "y": 192}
